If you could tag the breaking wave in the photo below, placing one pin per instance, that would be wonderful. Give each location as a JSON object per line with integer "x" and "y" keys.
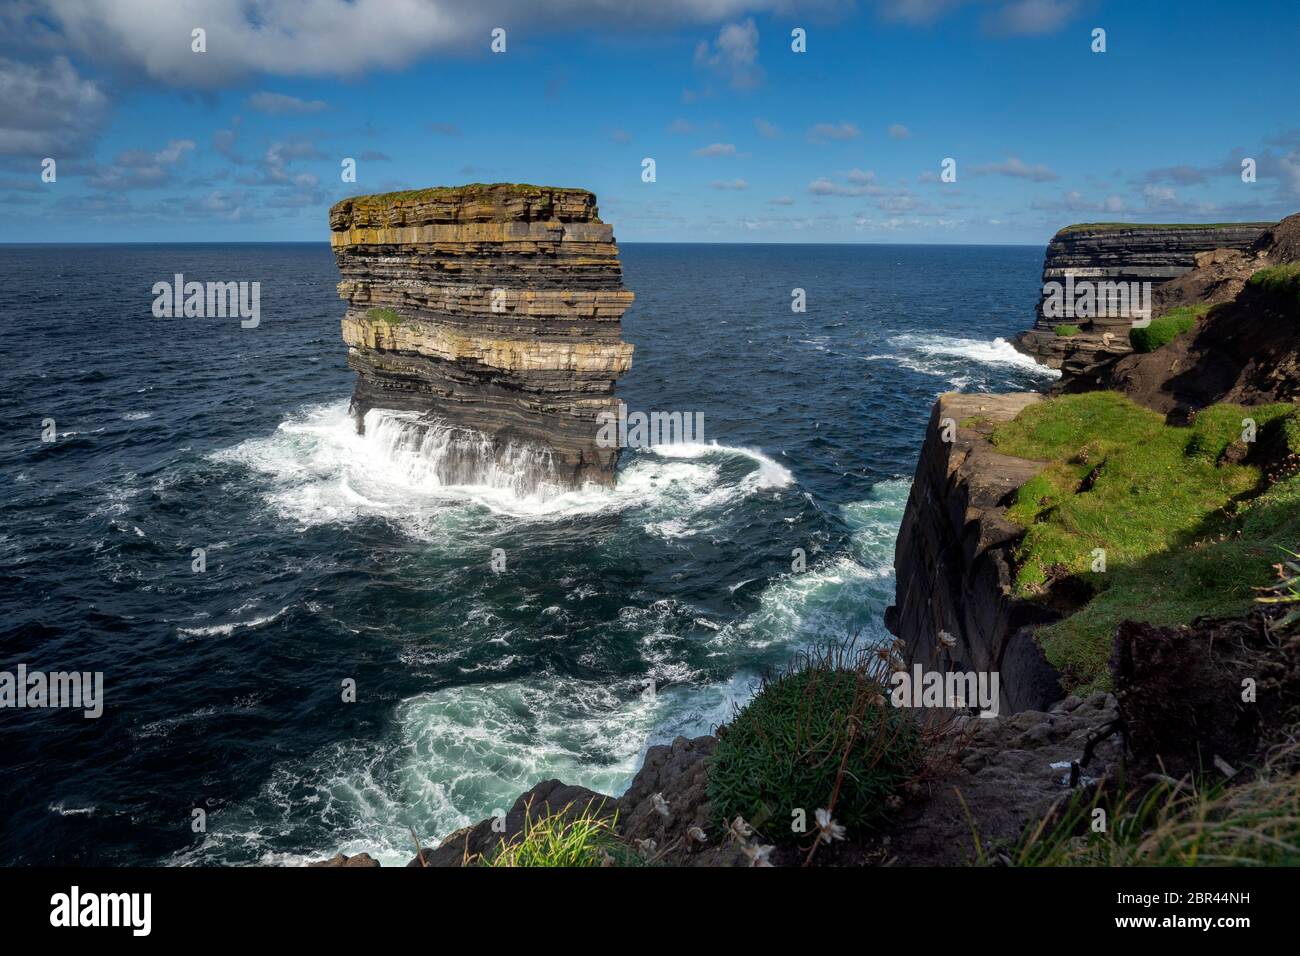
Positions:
{"x": 957, "y": 358}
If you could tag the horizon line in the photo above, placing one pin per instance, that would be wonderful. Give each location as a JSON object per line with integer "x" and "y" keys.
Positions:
{"x": 621, "y": 242}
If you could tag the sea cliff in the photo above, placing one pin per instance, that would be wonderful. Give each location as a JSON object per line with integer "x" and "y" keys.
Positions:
{"x": 491, "y": 314}
{"x": 1117, "y": 252}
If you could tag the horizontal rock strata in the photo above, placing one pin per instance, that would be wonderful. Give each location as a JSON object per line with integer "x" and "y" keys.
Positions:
{"x": 493, "y": 313}
{"x": 1118, "y": 253}
{"x": 1246, "y": 349}
{"x": 954, "y": 558}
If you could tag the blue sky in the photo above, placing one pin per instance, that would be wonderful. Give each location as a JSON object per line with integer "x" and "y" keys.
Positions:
{"x": 752, "y": 142}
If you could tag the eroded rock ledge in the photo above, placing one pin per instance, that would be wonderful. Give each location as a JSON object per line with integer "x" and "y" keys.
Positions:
{"x": 493, "y": 312}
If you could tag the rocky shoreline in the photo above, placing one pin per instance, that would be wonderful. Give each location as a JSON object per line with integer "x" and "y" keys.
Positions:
{"x": 1176, "y": 700}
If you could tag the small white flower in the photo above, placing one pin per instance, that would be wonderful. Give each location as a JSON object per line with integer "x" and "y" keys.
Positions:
{"x": 829, "y": 829}
{"x": 947, "y": 640}
{"x": 740, "y": 830}
{"x": 661, "y": 806}
{"x": 696, "y": 834}
{"x": 758, "y": 855}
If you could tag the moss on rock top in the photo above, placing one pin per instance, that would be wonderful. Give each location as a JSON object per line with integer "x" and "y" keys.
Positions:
{"x": 1116, "y": 226}
{"x": 467, "y": 191}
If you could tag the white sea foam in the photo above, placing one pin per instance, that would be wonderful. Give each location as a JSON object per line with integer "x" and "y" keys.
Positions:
{"x": 455, "y": 754}
{"x": 225, "y": 630}
{"x": 319, "y": 471}
{"x": 938, "y": 354}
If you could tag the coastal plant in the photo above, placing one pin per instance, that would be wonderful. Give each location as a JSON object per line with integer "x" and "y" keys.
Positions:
{"x": 387, "y": 316}
{"x": 1065, "y": 331}
{"x": 564, "y": 838}
{"x": 1164, "y": 329}
{"x": 818, "y": 735}
{"x": 1173, "y": 823}
{"x": 1285, "y": 592}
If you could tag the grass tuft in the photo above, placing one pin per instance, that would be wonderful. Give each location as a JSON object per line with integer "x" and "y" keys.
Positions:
{"x": 1167, "y": 327}
{"x": 387, "y": 316}
{"x": 818, "y": 735}
{"x": 1175, "y": 823}
{"x": 564, "y": 838}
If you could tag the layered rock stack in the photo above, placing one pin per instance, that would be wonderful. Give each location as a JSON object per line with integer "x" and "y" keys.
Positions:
{"x": 1112, "y": 252}
{"x": 489, "y": 316}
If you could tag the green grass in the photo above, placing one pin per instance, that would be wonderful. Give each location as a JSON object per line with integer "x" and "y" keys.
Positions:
{"x": 1165, "y": 328}
{"x": 1113, "y": 226}
{"x": 820, "y": 735}
{"x": 456, "y": 192}
{"x": 1179, "y": 536}
{"x": 1280, "y": 283}
{"x": 1256, "y": 823}
{"x": 564, "y": 838}
{"x": 387, "y": 316}
{"x": 1065, "y": 331}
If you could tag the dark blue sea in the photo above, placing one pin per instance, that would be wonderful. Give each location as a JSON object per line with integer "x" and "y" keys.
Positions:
{"x": 330, "y": 559}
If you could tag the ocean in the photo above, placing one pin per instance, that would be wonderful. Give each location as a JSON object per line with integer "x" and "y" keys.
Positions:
{"x": 622, "y": 619}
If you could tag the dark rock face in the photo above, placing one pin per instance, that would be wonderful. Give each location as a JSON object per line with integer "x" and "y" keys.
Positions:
{"x": 954, "y": 558}
{"x": 1180, "y": 691}
{"x": 491, "y": 315}
{"x": 1136, "y": 253}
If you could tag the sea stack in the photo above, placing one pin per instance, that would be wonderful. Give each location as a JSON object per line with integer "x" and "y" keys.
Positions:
{"x": 487, "y": 317}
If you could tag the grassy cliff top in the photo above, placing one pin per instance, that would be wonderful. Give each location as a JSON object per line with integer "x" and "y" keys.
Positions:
{"x": 469, "y": 190}
{"x": 1116, "y": 226}
{"x": 1187, "y": 529}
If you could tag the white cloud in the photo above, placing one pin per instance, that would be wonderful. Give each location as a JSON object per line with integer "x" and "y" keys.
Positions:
{"x": 49, "y": 110}
{"x": 858, "y": 182}
{"x": 733, "y": 184}
{"x": 1031, "y": 17}
{"x": 140, "y": 169}
{"x": 348, "y": 37}
{"x": 734, "y": 54}
{"x": 767, "y": 130}
{"x": 1016, "y": 168}
{"x": 917, "y": 11}
{"x": 717, "y": 149}
{"x": 824, "y": 132}
{"x": 278, "y": 104}
{"x": 899, "y": 131}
